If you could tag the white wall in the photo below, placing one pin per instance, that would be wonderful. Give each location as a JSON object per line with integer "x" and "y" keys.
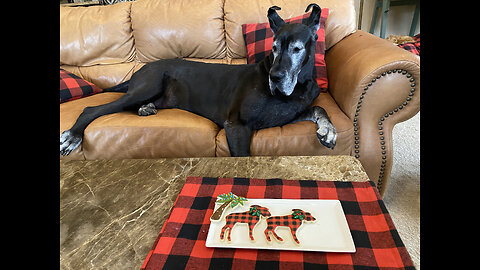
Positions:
{"x": 398, "y": 22}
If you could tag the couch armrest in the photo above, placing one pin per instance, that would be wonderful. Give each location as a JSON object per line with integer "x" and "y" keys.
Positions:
{"x": 377, "y": 85}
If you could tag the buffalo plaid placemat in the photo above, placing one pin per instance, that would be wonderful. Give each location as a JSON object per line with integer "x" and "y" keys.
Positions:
{"x": 181, "y": 243}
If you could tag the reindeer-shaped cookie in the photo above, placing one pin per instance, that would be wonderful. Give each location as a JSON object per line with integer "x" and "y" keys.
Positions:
{"x": 252, "y": 217}
{"x": 293, "y": 221}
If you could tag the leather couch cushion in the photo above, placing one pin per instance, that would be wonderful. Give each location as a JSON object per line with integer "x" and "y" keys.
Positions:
{"x": 96, "y": 35}
{"x": 340, "y": 23}
{"x": 105, "y": 76}
{"x": 169, "y": 133}
{"x": 180, "y": 28}
{"x": 298, "y": 139}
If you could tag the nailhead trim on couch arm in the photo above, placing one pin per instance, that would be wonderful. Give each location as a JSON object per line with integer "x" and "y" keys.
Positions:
{"x": 382, "y": 118}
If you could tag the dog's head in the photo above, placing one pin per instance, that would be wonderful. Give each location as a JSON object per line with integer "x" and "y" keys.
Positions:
{"x": 293, "y": 50}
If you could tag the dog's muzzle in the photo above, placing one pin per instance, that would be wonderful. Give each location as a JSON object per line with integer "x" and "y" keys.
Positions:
{"x": 281, "y": 82}
{"x": 274, "y": 80}
{"x": 276, "y": 77}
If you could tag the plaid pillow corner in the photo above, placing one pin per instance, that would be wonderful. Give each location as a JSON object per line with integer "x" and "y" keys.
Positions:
{"x": 73, "y": 87}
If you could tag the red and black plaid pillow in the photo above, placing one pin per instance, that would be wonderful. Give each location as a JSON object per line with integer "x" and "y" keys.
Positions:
{"x": 413, "y": 47}
{"x": 259, "y": 39}
{"x": 73, "y": 87}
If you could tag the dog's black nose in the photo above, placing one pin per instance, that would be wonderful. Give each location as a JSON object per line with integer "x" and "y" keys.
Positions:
{"x": 275, "y": 76}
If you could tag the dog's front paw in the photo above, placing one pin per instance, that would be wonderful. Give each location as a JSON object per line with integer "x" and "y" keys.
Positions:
{"x": 69, "y": 141}
{"x": 327, "y": 134}
{"x": 147, "y": 110}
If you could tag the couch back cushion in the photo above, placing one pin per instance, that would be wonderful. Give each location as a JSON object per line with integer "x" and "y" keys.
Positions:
{"x": 149, "y": 30}
{"x": 96, "y": 35}
{"x": 178, "y": 28}
{"x": 340, "y": 23}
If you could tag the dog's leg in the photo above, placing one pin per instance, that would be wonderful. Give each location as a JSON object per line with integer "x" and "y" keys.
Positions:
{"x": 239, "y": 137}
{"x": 147, "y": 110}
{"x": 139, "y": 93}
{"x": 71, "y": 139}
{"x": 326, "y": 132}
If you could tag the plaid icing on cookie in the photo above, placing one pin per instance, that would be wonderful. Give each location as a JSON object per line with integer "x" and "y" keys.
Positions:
{"x": 252, "y": 217}
{"x": 293, "y": 221}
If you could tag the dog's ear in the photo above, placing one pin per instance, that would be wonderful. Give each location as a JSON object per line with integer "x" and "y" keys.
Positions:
{"x": 275, "y": 21}
{"x": 314, "y": 20}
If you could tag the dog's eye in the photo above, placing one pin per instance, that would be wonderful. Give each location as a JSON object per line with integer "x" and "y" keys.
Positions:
{"x": 296, "y": 49}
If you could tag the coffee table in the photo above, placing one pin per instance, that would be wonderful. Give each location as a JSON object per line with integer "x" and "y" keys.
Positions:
{"x": 111, "y": 211}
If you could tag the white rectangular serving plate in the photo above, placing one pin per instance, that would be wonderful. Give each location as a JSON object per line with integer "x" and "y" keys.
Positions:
{"x": 328, "y": 233}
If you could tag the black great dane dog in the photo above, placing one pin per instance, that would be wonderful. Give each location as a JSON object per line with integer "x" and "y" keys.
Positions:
{"x": 240, "y": 98}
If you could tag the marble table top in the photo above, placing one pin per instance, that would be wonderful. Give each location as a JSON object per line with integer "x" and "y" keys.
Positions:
{"x": 111, "y": 211}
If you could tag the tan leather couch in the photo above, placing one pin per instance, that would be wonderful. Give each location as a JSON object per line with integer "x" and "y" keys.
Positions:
{"x": 370, "y": 80}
